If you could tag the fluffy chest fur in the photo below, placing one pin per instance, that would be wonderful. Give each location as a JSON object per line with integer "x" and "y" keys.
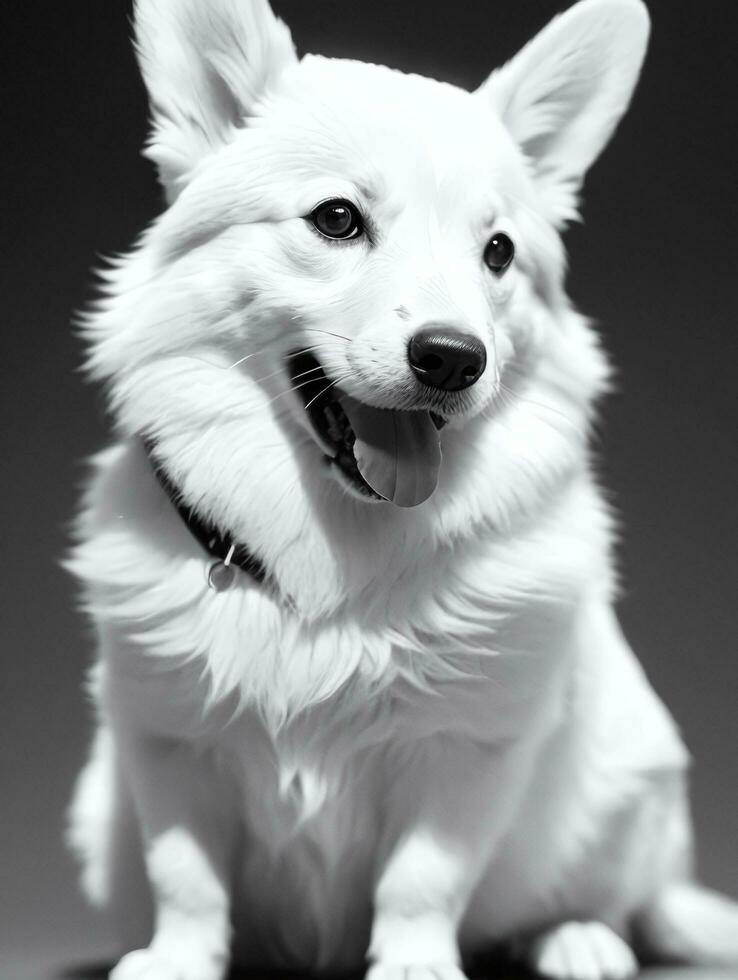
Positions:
{"x": 422, "y": 609}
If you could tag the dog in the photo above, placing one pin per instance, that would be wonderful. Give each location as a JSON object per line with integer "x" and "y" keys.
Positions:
{"x": 361, "y": 693}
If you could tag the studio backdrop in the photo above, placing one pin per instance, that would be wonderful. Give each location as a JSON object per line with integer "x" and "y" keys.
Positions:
{"x": 654, "y": 263}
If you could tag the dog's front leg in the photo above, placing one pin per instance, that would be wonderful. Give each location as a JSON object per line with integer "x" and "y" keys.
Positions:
{"x": 187, "y": 839}
{"x": 444, "y": 821}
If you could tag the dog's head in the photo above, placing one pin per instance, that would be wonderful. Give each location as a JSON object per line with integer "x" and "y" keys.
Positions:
{"x": 368, "y": 262}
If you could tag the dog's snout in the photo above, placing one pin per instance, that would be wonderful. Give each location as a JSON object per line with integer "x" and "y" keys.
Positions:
{"x": 446, "y": 359}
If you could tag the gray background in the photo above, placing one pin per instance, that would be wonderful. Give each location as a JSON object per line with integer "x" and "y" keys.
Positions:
{"x": 653, "y": 263}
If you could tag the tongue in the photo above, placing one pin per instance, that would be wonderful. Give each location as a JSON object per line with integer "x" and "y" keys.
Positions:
{"x": 398, "y": 453}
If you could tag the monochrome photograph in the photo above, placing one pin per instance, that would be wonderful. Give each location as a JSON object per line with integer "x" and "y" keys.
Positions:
{"x": 370, "y": 491}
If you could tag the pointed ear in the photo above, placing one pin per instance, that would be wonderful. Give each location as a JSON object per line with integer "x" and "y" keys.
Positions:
{"x": 205, "y": 63}
{"x": 563, "y": 94}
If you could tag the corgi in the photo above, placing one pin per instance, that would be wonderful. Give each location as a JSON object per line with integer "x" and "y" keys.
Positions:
{"x": 361, "y": 693}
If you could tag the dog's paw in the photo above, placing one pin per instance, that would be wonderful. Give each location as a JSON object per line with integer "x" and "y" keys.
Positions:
{"x": 148, "y": 964}
{"x": 145, "y": 964}
{"x": 419, "y": 971}
{"x": 581, "y": 951}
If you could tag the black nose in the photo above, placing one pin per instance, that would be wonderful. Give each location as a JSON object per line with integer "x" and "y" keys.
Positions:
{"x": 446, "y": 359}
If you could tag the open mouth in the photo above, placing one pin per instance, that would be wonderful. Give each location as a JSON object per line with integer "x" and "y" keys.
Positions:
{"x": 384, "y": 454}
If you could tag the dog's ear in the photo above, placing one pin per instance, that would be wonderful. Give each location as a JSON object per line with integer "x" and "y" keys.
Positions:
{"x": 563, "y": 94}
{"x": 205, "y": 63}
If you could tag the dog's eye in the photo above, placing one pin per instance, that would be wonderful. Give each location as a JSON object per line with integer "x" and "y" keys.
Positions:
{"x": 337, "y": 219}
{"x": 499, "y": 252}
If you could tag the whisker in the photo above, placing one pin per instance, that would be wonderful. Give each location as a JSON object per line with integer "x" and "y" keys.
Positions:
{"x": 302, "y": 384}
{"x": 265, "y": 350}
{"x": 294, "y": 377}
{"x": 246, "y": 358}
{"x": 511, "y": 398}
{"x": 327, "y": 387}
{"x": 328, "y": 333}
{"x": 241, "y": 361}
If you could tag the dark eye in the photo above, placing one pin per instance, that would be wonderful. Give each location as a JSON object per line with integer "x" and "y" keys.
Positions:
{"x": 337, "y": 219}
{"x": 499, "y": 252}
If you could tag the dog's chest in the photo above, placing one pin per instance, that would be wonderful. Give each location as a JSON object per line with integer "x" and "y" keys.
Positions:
{"x": 444, "y": 644}
{"x": 478, "y": 626}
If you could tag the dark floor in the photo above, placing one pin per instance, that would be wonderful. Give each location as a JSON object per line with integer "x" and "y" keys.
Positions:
{"x": 30, "y": 969}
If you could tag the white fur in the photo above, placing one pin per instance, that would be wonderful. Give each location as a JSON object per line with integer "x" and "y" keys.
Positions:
{"x": 432, "y": 737}
{"x": 564, "y": 93}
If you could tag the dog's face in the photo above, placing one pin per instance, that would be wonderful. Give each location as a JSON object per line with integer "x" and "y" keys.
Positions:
{"x": 393, "y": 269}
{"x": 372, "y": 257}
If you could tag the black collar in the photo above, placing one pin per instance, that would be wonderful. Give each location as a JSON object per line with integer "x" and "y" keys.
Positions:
{"x": 225, "y": 552}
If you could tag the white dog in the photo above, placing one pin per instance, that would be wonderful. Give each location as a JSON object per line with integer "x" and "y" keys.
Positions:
{"x": 361, "y": 690}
